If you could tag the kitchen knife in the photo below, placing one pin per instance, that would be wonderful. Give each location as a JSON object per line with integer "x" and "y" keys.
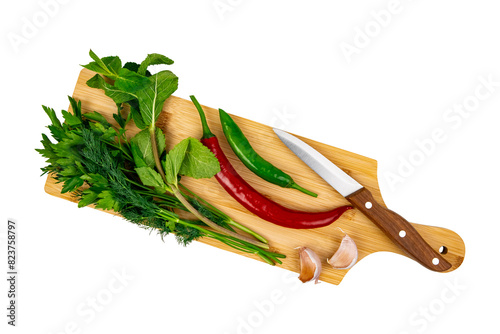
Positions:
{"x": 398, "y": 229}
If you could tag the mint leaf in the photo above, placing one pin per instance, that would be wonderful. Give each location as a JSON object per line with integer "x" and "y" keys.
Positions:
{"x": 143, "y": 142}
{"x": 160, "y": 141}
{"x": 132, "y": 66}
{"x": 173, "y": 161}
{"x": 190, "y": 158}
{"x": 199, "y": 161}
{"x": 121, "y": 120}
{"x": 113, "y": 63}
{"x": 107, "y": 66}
{"x": 149, "y": 177}
{"x": 152, "y": 97}
{"x": 111, "y": 91}
{"x": 130, "y": 82}
{"x": 137, "y": 155}
{"x": 125, "y": 80}
{"x": 153, "y": 59}
{"x": 136, "y": 115}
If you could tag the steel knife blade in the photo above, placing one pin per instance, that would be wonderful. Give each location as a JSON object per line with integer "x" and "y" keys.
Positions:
{"x": 398, "y": 229}
{"x": 332, "y": 174}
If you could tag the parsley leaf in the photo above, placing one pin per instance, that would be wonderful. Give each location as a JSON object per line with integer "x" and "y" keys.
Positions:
{"x": 95, "y": 116}
{"x": 88, "y": 197}
{"x": 72, "y": 184}
{"x": 71, "y": 119}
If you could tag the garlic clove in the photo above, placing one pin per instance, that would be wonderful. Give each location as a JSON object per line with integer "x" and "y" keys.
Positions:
{"x": 346, "y": 256}
{"x": 310, "y": 265}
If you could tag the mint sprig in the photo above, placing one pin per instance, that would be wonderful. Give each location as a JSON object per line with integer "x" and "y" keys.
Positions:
{"x": 145, "y": 95}
{"x": 92, "y": 152}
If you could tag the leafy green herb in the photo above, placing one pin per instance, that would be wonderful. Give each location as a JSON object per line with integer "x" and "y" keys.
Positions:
{"x": 153, "y": 59}
{"x": 145, "y": 110}
{"x": 118, "y": 95}
{"x": 134, "y": 67}
{"x": 107, "y": 66}
{"x": 199, "y": 161}
{"x": 151, "y": 98}
{"x": 136, "y": 177}
{"x": 149, "y": 177}
{"x": 91, "y": 151}
{"x": 173, "y": 161}
{"x": 143, "y": 142}
{"x": 129, "y": 81}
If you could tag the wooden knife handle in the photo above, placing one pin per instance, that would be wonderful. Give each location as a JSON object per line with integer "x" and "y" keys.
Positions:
{"x": 399, "y": 230}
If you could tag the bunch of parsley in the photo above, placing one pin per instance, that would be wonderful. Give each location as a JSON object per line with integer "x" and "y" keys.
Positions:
{"x": 136, "y": 177}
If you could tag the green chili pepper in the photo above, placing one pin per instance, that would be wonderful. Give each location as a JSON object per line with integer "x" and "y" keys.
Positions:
{"x": 262, "y": 168}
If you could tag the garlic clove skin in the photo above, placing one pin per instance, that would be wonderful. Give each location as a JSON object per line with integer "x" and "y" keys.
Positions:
{"x": 310, "y": 265}
{"x": 346, "y": 256}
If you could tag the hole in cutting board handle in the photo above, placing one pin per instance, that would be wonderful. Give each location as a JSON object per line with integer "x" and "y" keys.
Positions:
{"x": 443, "y": 250}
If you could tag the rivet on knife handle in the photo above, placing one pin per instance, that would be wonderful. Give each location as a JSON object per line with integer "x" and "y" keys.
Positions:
{"x": 400, "y": 231}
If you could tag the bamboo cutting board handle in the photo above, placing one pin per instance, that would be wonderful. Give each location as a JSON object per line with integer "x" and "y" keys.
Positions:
{"x": 399, "y": 230}
{"x": 179, "y": 119}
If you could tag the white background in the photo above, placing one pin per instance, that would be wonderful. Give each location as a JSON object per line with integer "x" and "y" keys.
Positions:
{"x": 279, "y": 63}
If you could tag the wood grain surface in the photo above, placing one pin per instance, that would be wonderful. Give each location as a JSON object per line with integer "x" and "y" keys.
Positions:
{"x": 399, "y": 230}
{"x": 179, "y": 120}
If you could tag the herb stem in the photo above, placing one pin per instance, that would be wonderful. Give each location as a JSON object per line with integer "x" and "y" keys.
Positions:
{"x": 268, "y": 257}
{"x": 137, "y": 184}
{"x": 210, "y": 223}
{"x": 175, "y": 190}
{"x": 225, "y": 217}
{"x": 154, "y": 146}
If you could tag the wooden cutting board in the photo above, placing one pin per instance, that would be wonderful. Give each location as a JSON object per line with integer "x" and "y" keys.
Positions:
{"x": 180, "y": 119}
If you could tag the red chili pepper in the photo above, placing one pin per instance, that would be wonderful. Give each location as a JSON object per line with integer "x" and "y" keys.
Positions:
{"x": 255, "y": 202}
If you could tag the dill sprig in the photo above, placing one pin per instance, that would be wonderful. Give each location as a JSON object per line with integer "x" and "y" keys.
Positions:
{"x": 90, "y": 151}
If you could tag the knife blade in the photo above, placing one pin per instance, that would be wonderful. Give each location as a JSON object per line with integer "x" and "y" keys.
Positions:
{"x": 398, "y": 229}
